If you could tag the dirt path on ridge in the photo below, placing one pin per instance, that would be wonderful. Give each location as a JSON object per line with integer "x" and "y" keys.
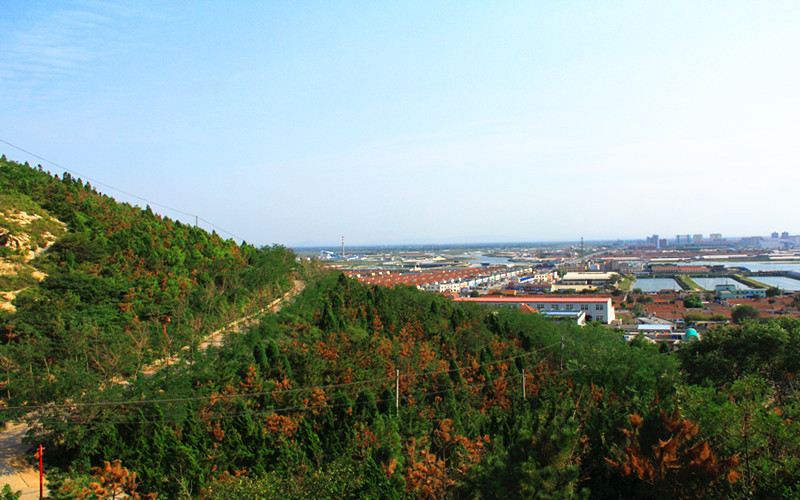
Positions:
{"x": 218, "y": 336}
{"x": 16, "y": 472}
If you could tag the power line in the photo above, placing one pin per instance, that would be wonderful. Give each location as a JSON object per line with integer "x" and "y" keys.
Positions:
{"x": 95, "y": 181}
{"x": 277, "y": 392}
{"x": 512, "y": 358}
{"x": 74, "y": 406}
{"x": 152, "y": 418}
{"x": 143, "y": 418}
{"x": 188, "y": 399}
{"x": 172, "y": 417}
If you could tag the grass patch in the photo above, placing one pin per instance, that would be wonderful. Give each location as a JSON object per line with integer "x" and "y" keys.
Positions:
{"x": 688, "y": 283}
{"x": 23, "y": 279}
{"x": 626, "y": 283}
{"x": 749, "y": 281}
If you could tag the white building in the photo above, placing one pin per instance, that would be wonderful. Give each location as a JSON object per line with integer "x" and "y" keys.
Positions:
{"x": 596, "y": 308}
{"x": 587, "y": 278}
{"x": 444, "y": 287}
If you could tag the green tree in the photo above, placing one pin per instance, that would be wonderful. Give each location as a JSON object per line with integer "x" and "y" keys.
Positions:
{"x": 693, "y": 318}
{"x": 8, "y": 494}
{"x": 726, "y": 353}
{"x": 744, "y": 312}
{"x": 693, "y": 301}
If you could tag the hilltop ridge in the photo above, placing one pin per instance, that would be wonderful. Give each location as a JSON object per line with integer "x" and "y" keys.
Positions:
{"x": 112, "y": 276}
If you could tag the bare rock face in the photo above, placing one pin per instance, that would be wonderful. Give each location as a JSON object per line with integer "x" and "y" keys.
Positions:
{"x": 13, "y": 242}
{"x": 23, "y": 248}
{"x": 23, "y": 218}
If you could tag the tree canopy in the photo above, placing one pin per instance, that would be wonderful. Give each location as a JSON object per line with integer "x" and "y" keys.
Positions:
{"x": 744, "y": 312}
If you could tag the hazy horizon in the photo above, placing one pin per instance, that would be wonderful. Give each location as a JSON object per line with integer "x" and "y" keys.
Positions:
{"x": 291, "y": 123}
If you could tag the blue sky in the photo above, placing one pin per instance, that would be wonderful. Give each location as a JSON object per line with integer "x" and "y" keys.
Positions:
{"x": 399, "y": 122}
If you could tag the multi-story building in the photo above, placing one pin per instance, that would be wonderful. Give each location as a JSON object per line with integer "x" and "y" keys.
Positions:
{"x": 595, "y": 308}
{"x": 588, "y": 278}
{"x": 445, "y": 287}
{"x": 731, "y": 292}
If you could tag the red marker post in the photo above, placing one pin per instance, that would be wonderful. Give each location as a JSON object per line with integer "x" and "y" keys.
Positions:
{"x": 167, "y": 346}
{"x": 41, "y": 473}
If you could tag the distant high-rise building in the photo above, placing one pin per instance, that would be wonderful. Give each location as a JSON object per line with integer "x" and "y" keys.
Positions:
{"x": 775, "y": 235}
{"x": 678, "y": 239}
{"x": 785, "y": 235}
{"x": 697, "y": 238}
{"x": 662, "y": 243}
{"x": 652, "y": 240}
{"x": 715, "y": 236}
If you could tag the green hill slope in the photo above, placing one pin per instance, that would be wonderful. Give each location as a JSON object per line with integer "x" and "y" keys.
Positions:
{"x": 305, "y": 405}
{"x": 113, "y": 279}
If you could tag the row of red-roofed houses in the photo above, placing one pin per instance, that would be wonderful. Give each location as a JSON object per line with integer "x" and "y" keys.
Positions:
{"x": 443, "y": 281}
{"x": 458, "y": 284}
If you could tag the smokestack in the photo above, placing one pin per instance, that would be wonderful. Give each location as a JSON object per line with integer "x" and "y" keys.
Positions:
{"x": 343, "y": 255}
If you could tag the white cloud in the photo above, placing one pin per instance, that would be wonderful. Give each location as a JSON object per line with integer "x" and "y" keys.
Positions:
{"x": 52, "y": 54}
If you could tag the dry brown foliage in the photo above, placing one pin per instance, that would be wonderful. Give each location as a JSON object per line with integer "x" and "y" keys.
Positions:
{"x": 113, "y": 481}
{"x": 431, "y": 474}
{"x": 673, "y": 467}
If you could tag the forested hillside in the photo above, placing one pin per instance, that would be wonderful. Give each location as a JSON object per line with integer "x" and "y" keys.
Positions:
{"x": 114, "y": 280}
{"x": 356, "y": 391}
{"x": 309, "y": 404}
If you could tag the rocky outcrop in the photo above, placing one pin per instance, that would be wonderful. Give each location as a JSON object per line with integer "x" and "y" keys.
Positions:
{"x": 13, "y": 242}
{"x": 22, "y": 248}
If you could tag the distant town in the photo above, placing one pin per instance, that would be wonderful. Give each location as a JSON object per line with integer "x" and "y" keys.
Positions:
{"x": 668, "y": 290}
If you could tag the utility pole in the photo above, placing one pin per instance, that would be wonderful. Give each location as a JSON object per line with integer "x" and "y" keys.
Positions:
{"x": 397, "y": 392}
{"x": 561, "y": 358}
{"x": 524, "y": 392}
